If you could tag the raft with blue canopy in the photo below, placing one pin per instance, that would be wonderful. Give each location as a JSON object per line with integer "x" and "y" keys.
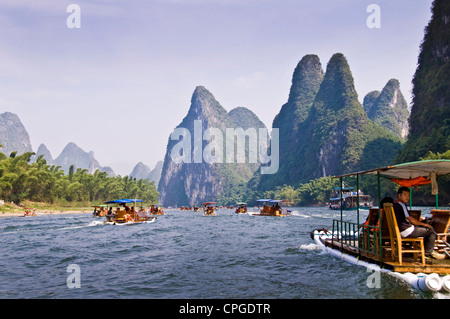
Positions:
{"x": 123, "y": 201}
{"x": 273, "y": 208}
{"x": 128, "y": 214}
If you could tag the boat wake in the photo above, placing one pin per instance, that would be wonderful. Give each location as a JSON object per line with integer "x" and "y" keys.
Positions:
{"x": 130, "y": 222}
{"x": 91, "y": 224}
{"x": 299, "y": 214}
{"x": 95, "y": 223}
{"x": 310, "y": 247}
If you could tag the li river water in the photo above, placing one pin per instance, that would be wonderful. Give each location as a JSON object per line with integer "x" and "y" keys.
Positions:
{"x": 181, "y": 255}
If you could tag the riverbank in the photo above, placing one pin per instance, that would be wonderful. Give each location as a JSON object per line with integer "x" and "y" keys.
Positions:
{"x": 14, "y": 210}
{"x": 45, "y": 212}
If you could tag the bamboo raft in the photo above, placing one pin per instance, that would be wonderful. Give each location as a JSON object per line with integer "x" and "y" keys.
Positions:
{"x": 383, "y": 245}
{"x": 409, "y": 264}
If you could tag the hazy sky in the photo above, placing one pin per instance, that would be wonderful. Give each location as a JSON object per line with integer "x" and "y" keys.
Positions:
{"x": 122, "y": 82}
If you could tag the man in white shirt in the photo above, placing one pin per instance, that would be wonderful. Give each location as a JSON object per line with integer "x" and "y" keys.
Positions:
{"x": 411, "y": 227}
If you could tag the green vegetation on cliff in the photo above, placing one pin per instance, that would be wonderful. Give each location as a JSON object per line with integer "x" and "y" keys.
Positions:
{"x": 338, "y": 137}
{"x": 388, "y": 108}
{"x": 21, "y": 180}
{"x": 429, "y": 123}
{"x": 192, "y": 182}
{"x": 306, "y": 80}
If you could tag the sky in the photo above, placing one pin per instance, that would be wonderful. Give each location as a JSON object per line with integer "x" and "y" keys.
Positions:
{"x": 121, "y": 82}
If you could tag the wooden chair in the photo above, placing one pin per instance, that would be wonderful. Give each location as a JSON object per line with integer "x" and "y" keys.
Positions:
{"x": 441, "y": 224}
{"x": 397, "y": 249}
{"x": 367, "y": 233}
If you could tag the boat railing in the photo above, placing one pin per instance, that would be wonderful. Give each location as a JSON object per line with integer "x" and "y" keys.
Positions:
{"x": 362, "y": 240}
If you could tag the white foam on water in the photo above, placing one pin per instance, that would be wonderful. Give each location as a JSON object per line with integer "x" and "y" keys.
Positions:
{"x": 310, "y": 247}
{"x": 95, "y": 223}
{"x": 298, "y": 214}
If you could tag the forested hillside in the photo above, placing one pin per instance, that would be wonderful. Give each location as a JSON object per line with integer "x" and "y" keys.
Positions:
{"x": 21, "y": 180}
{"x": 429, "y": 123}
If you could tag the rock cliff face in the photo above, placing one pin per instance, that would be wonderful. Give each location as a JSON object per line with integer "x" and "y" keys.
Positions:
{"x": 196, "y": 167}
{"x": 388, "y": 108}
{"x": 142, "y": 171}
{"x": 13, "y": 135}
{"x": 306, "y": 80}
{"x": 429, "y": 123}
{"x": 341, "y": 138}
{"x": 324, "y": 129}
{"x": 43, "y": 150}
{"x": 74, "y": 155}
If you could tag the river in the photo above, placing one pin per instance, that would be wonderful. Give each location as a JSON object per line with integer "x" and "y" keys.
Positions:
{"x": 182, "y": 255}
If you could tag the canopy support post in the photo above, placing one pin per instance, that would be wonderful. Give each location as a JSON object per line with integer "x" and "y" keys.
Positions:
{"x": 357, "y": 198}
{"x": 410, "y": 198}
{"x": 340, "y": 180}
{"x": 380, "y": 243}
{"x": 437, "y": 201}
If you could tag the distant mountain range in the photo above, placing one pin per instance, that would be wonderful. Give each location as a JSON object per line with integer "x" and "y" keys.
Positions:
{"x": 142, "y": 171}
{"x": 323, "y": 129}
{"x": 14, "y": 137}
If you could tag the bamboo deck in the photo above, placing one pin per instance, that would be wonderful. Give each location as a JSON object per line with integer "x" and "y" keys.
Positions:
{"x": 441, "y": 267}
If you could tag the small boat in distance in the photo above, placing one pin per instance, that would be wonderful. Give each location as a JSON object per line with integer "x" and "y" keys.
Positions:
{"x": 271, "y": 207}
{"x": 349, "y": 199}
{"x": 29, "y": 213}
{"x": 124, "y": 214}
{"x": 242, "y": 208}
{"x": 209, "y": 209}
{"x": 156, "y": 210}
{"x": 100, "y": 210}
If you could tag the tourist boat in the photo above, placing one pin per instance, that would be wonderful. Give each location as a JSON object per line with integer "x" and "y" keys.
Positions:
{"x": 271, "y": 207}
{"x": 241, "y": 208}
{"x": 209, "y": 209}
{"x": 29, "y": 213}
{"x": 126, "y": 215}
{"x": 100, "y": 210}
{"x": 381, "y": 248}
{"x": 156, "y": 210}
{"x": 349, "y": 199}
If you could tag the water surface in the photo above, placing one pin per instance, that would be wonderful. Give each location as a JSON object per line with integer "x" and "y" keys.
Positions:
{"x": 182, "y": 255}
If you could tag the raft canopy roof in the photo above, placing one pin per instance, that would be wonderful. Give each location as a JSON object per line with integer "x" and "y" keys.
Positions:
{"x": 409, "y": 170}
{"x": 272, "y": 201}
{"x": 412, "y": 172}
{"x": 123, "y": 201}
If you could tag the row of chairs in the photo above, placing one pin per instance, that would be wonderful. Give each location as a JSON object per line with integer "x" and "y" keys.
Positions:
{"x": 391, "y": 234}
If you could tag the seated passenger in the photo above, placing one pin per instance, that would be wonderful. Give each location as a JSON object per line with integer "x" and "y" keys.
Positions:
{"x": 409, "y": 227}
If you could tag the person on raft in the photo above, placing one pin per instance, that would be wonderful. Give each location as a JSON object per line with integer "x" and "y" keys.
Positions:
{"x": 411, "y": 227}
